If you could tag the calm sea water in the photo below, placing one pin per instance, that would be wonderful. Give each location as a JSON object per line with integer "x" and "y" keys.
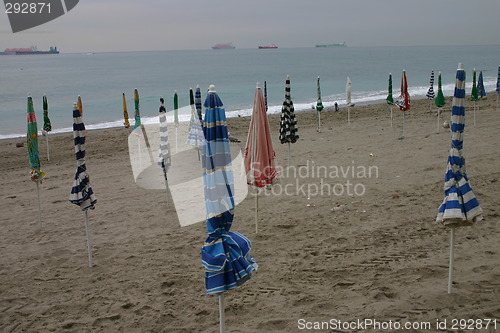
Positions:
{"x": 101, "y": 78}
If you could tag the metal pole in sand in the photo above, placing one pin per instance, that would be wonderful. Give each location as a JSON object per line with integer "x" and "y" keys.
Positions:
{"x": 222, "y": 315}
{"x": 89, "y": 244}
{"x": 452, "y": 247}
{"x": 403, "y": 127}
{"x": 166, "y": 181}
{"x": 475, "y": 103}
{"x": 319, "y": 121}
{"x": 256, "y": 209}
{"x": 288, "y": 154}
{"x": 439, "y": 118}
{"x": 47, "y": 139}
{"x": 391, "y": 114}
{"x": 176, "y": 150}
{"x": 39, "y": 204}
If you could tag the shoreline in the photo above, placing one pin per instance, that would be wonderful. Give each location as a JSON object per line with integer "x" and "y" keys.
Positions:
{"x": 149, "y": 120}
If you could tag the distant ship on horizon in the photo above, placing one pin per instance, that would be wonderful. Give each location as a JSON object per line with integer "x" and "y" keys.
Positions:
{"x": 272, "y": 46}
{"x": 224, "y": 46}
{"x": 29, "y": 50}
{"x": 343, "y": 44}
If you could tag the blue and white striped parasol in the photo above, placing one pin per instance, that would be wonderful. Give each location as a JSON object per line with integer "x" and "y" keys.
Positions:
{"x": 460, "y": 206}
{"x": 480, "y": 86}
{"x": 225, "y": 255}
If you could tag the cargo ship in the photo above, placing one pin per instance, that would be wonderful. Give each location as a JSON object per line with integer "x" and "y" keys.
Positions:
{"x": 272, "y": 46}
{"x": 29, "y": 50}
{"x": 332, "y": 45}
{"x": 225, "y": 46}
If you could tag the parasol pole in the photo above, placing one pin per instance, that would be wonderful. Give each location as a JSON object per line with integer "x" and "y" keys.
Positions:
{"x": 140, "y": 153}
{"x": 165, "y": 175}
{"x": 498, "y": 94}
{"x": 222, "y": 315}
{"x": 47, "y": 139}
{"x": 254, "y": 153}
{"x": 452, "y": 248}
{"x": 404, "y": 116}
{"x": 390, "y": 107}
{"x": 403, "y": 127}
{"x": 475, "y": 107}
{"x": 439, "y": 118}
{"x": 289, "y": 154}
{"x": 256, "y": 209}
{"x": 39, "y": 204}
{"x": 348, "y": 115}
{"x": 319, "y": 121}
{"x": 89, "y": 244}
{"x": 146, "y": 140}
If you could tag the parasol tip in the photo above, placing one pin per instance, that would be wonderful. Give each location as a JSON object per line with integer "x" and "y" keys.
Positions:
{"x": 288, "y": 77}
{"x": 460, "y": 66}
{"x": 258, "y": 85}
{"x": 211, "y": 88}
{"x": 197, "y": 86}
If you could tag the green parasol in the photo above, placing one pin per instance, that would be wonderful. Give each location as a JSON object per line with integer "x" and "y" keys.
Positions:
{"x": 47, "y": 127}
{"x": 440, "y": 102}
{"x": 36, "y": 173}
{"x": 176, "y": 109}
{"x": 389, "y": 98}
{"x": 32, "y": 139}
{"x": 474, "y": 95}
{"x": 137, "y": 113}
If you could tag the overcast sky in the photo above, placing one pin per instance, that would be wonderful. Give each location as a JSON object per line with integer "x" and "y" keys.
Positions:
{"x": 125, "y": 25}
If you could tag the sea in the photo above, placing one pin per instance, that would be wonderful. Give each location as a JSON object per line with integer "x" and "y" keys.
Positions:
{"x": 101, "y": 78}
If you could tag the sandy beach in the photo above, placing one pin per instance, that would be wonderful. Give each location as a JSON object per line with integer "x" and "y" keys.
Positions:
{"x": 373, "y": 253}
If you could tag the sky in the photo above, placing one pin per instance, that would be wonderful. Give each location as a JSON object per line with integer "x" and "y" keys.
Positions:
{"x": 125, "y": 25}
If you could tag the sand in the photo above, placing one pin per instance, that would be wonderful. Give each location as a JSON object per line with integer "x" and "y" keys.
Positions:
{"x": 379, "y": 255}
